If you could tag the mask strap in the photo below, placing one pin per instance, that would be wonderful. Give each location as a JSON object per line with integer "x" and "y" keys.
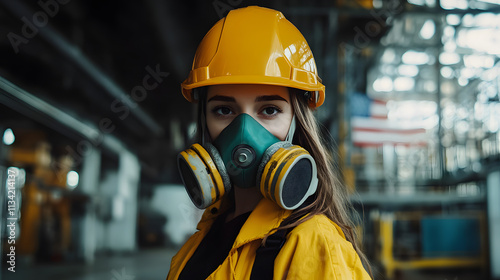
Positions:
{"x": 203, "y": 121}
{"x": 203, "y": 125}
{"x": 291, "y": 131}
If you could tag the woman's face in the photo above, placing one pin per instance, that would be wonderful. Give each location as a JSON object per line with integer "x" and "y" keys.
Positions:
{"x": 267, "y": 104}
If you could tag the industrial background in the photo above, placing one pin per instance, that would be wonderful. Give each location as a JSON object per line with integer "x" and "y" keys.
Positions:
{"x": 92, "y": 118}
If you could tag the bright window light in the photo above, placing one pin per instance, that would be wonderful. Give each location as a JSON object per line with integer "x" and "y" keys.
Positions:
{"x": 486, "y": 20}
{"x": 8, "y": 137}
{"x": 461, "y": 127}
{"x": 377, "y": 4}
{"x": 490, "y": 1}
{"x": 490, "y": 74}
{"x": 13, "y": 170}
{"x": 477, "y": 61}
{"x": 491, "y": 91}
{"x": 430, "y": 3}
{"x": 389, "y": 56}
{"x": 447, "y": 72}
{"x": 468, "y": 20}
{"x": 404, "y": 83}
{"x": 19, "y": 176}
{"x": 383, "y": 84}
{"x": 428, "y": 29}
{"x": 72, "y": 179}
{"x": 417, "y": 2}
{"x": 453, "y": 19}
{"x": 415, "y": 58}
{"x": 480, "y": 39}
{"x": 413, "y": 113}
{"x": 449, "y": 31}
{"x": 448, "y": 58}
{"x": 454, "y": 4}
{"x": 450, "y": 46}
{"x": 462, "y": 81}
{"x": 467, "y": 73}
{"x": 492, "y": 125}
{"x": 408, "y": 70}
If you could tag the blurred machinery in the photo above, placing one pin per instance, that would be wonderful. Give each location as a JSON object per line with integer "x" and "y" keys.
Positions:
{"x": 413, "y": 103}
{"x": 423, "y": 241}
{"x": 422, "y": 136}
{"x": 45, "y": 226}
{"x": 58, "y": 222}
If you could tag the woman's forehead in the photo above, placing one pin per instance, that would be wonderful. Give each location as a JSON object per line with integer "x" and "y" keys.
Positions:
{"x": 247, "y": 91}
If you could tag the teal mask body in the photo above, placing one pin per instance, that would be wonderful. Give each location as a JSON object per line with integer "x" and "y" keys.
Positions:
{"x": 242, "y": 145}
{"x": 246, "y": 155}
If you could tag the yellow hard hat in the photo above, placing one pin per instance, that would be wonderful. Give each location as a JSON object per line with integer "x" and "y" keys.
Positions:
{"x": 255, "y": 45}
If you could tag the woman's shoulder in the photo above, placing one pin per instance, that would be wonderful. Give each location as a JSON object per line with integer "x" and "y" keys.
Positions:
{"x": 320, "y": 228}
{"x": 320, "y": 245}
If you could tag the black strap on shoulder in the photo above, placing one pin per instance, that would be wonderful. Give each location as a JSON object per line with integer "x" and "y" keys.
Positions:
{"x": 263, "y": 267}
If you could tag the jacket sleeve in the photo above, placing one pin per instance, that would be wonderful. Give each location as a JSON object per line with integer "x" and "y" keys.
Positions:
{"x": 316, "y": 250}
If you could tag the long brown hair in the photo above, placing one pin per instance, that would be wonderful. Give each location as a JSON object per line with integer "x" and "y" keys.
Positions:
{"x": 332, "y": 196}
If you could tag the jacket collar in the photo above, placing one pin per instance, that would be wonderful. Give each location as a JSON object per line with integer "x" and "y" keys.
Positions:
{"x": 266, "y": 216}
{"x": 210, "y": 214}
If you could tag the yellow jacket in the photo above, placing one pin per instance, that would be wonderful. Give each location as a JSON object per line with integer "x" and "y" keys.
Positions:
{"x": 315, "y": 249}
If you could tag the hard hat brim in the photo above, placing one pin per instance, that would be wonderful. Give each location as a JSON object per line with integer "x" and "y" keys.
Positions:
{"x": 317, "y": 90}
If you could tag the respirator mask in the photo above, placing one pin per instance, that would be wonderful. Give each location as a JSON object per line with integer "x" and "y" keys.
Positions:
{"x": 246, "y": 155}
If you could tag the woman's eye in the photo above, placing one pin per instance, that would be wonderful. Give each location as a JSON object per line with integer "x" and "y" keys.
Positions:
{"x": 271, "y": 111}
{"x": 222, "y": 111}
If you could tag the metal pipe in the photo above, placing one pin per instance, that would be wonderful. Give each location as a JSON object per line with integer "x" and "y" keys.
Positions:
{"x": 35, "y": 108}
{"x": 170, "y": 34}
{"x": 74, "y": 53}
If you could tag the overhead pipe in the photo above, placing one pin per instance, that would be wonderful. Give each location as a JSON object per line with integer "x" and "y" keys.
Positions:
{"x": 37, "y": 109}
{"x": 54, "y": 38}
{"x": 171, "y": 33}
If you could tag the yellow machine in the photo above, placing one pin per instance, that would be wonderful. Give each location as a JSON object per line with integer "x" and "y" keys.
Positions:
{"x": 386, "y": 255}
{"x": 45, "y": 225}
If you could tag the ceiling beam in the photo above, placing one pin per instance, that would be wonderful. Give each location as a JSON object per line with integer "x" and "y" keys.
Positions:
{"x": 74, "y": 54}
{"x": 51, "y": 116}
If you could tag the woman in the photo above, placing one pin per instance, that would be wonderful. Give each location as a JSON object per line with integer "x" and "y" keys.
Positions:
{"x": 274, "y": 208}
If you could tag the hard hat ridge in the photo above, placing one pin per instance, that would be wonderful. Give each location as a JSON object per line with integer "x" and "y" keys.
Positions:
{"x": 255, "y": 45}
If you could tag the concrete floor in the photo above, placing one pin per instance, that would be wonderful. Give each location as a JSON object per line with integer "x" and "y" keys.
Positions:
{"x": 153, "y": 264}
{"x": 142, "y": 265}
{"x": 438, "y": 274}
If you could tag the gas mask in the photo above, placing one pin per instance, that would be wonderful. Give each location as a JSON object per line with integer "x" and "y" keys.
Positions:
{"x": 246, "y": 155}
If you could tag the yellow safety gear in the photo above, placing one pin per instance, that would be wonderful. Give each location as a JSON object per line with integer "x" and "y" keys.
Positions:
{"x": 315, "y": 249}
{"x": 255, "y": 45}
{"x": 247, "y": 155}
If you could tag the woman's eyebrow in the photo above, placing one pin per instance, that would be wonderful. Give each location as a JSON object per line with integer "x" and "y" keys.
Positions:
{"x": 222, "y": 98}
{"x": 269, "y": 98}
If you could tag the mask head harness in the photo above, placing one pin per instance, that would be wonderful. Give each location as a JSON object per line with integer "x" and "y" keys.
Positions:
{"x": 246, "y": 155}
